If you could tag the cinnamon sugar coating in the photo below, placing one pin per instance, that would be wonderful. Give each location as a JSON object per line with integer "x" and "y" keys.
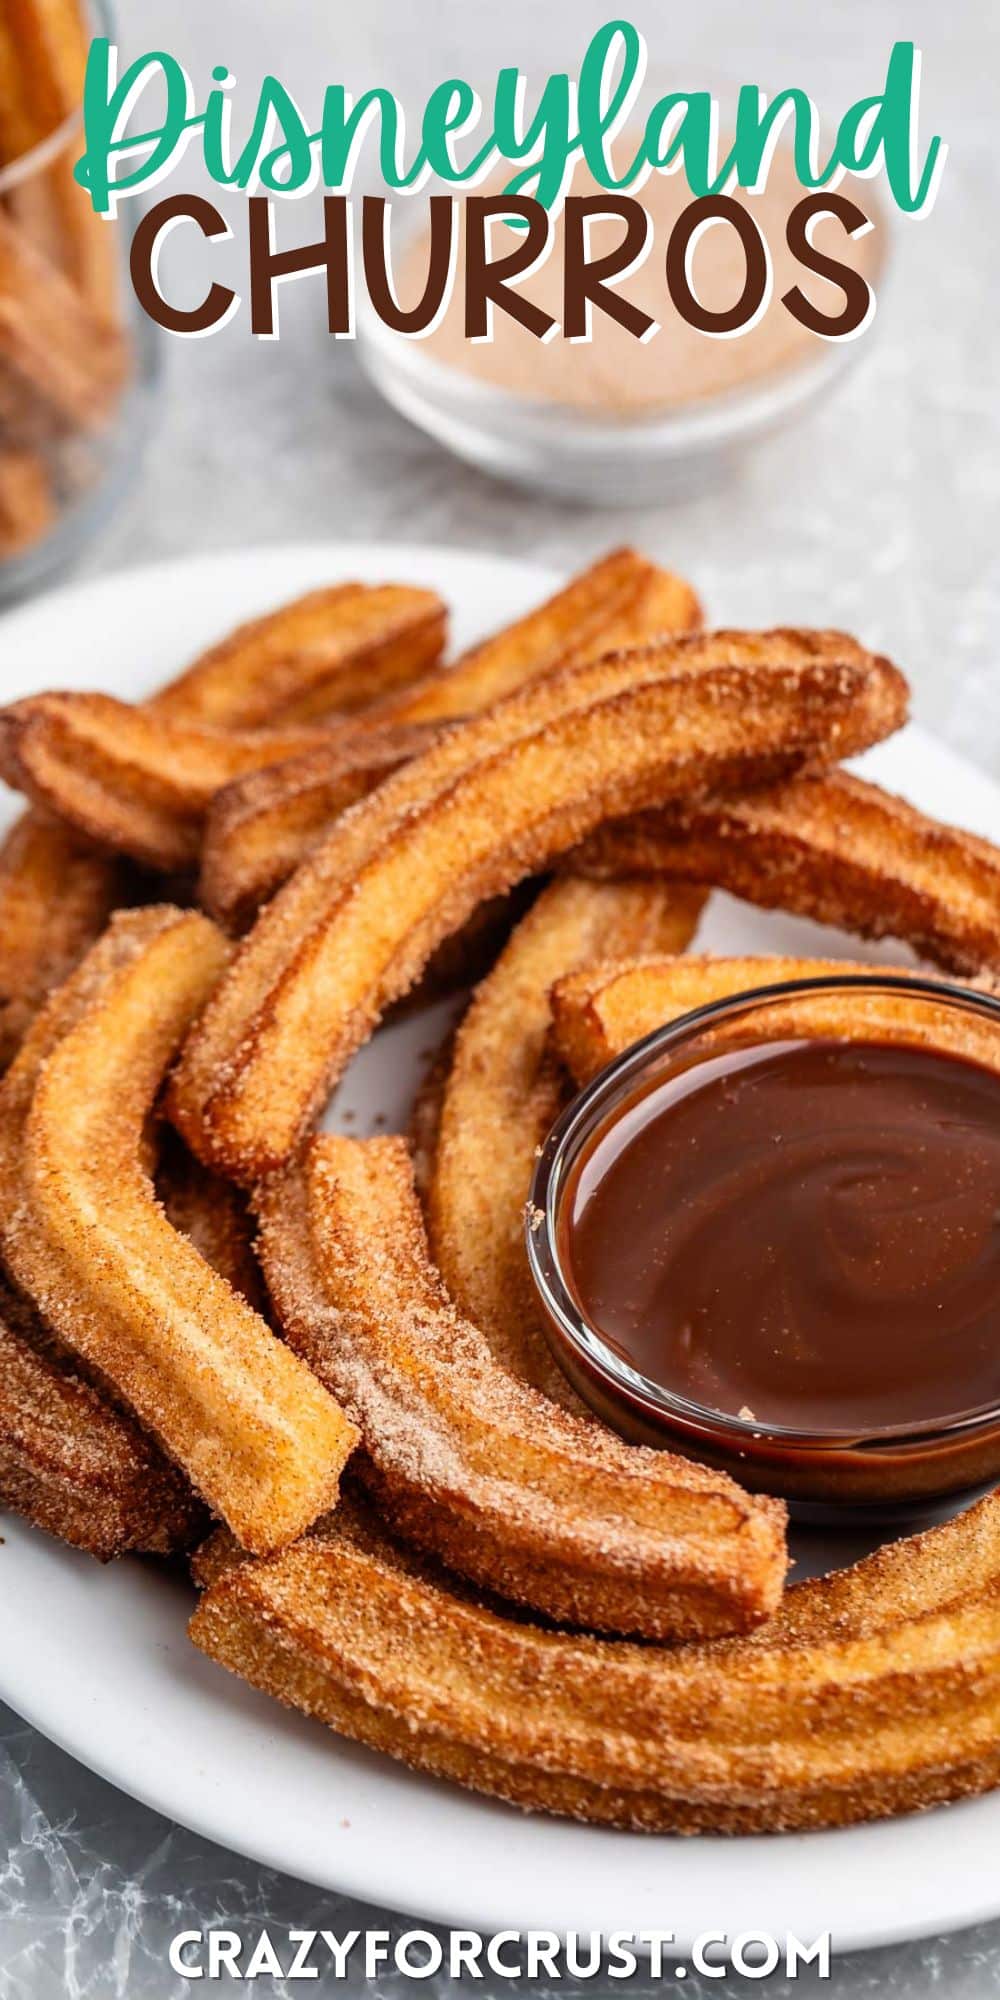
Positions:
{"x": 331, "y": 652}
{"x": 832, "y": 847}
{"x": 74, "y": 1463}
{"x": 56, "y": 895}
{"x": 622, "y": 600}
{"x": 476, "y": 1466}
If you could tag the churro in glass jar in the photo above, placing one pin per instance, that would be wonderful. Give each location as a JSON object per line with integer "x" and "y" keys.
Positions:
{"x": 75, "y": 362}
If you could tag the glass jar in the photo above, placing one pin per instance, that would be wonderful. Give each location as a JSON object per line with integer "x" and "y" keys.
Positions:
{"x": 77, "y": 357}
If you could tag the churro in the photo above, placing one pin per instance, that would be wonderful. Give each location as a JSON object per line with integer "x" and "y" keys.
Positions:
{"x": 128, "y": 780}
{"x": 19, "y": 129}
{"x": 85, "y": 1239}
{"x": 55, "y": 898}
{"x": 833, "y": 847}
{"x": 502, "y": 1092}
{"x": 56, "y": 894}
{"x": 262, "y": 826}
{"x": 871, "y": 1692}
{"x": 27, "y": 505}
{"x": 57, "y": 891}
{"x": 54, "y": 344}
{"x": 142, "y": 1381}
{"x": 53, "y": 212}
{"x": 492, "y": 802}
{"x": 474, "y": 1465}
{"x": 605, "y": 1008}
{"x": 331, "y": 652}
{"x": 211, "y": 1213}
{"x": 72, "y": 1461}
{"x": 43, "y": 59}
{"x": 25, "y": 425}
{"x": 622, "y": 600}
{"x": 74, "y": 1464}
{"x": 258, "y": 833}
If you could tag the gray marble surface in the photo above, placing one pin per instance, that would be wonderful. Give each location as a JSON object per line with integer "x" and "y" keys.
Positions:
{"x": 879, "y": 513}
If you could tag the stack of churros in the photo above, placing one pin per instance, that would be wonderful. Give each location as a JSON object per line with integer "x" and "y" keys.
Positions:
{"x": 63, "y": 351}
{"x": 209, "y": 1311}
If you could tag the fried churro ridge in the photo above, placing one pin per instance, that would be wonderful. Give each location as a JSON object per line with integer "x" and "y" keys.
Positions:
{"x": 833, "y": 847}
{"x": 333, "y": 651}
{"x": 871, "y": 1692}
{"x": 56, "y": 895}
{"x": 127, "y": 779}
{"x": 73, "y": 1463}
{"x": 474, "y": 1465}
{"x": 493, "y": 801}
{"x": 87, "y": 1242}
{"x": 604, "y": 1009}
{"x": 502, "y": 1092}
{"x": 259, "y": 832}
{"x": 620, "y": 601}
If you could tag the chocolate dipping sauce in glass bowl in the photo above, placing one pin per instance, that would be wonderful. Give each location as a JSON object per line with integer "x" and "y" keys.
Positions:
{"x": 768, "y": 1236}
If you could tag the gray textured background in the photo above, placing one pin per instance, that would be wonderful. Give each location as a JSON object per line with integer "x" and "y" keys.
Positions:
{"x": 880, "y": 513}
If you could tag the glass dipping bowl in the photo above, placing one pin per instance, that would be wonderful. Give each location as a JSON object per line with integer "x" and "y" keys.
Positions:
{"x": 882, "y": 1473}
{"x": 78, "y": 358}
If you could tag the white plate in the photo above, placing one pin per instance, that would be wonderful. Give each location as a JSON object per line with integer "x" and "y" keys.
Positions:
{"x": 97, "y": 1658}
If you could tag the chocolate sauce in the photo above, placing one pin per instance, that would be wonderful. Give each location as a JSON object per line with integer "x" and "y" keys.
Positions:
{"x": 806, "y": 1233}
